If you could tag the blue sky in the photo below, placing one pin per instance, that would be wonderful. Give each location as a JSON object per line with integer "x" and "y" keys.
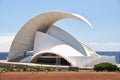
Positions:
{"x": 104, "y": 15}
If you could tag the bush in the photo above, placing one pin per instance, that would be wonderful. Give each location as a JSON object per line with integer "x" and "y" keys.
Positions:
{"x": 105, "y": 66}
{"x": 7, "y": 70}
{"x": 31, "y": 69}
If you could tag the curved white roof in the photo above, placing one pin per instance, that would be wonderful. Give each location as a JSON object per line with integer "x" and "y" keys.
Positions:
{"x": 45, "y": 42}
{"x": 24, "y": 39}
{"x": 66, "y": 38}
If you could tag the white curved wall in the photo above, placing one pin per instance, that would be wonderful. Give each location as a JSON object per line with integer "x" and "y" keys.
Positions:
{"x": 45, "y": 42}
{"x": 90, "y": 61}
{"x": 66, "y": 38}
{"x": 88, "y": 50}
{"x": 99, "y": 59}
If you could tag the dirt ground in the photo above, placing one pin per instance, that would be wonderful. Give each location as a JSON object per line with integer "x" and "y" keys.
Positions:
{"x": 60, "y": 76}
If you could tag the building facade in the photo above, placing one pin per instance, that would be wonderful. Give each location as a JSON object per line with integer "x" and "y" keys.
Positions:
{"x": 52, "y": 45}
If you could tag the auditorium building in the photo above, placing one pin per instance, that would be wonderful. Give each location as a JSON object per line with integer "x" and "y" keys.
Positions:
{"x": 52, "y": 45}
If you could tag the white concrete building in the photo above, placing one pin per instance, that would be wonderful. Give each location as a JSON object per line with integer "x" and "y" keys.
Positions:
{"x": 52, "y": 45}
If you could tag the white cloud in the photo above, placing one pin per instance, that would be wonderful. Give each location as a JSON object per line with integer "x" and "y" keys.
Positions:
{"x": 108, "y": 46}
{"x": 5, "y": 42}
{"x": 93, "y": 44}
{"x": 112, "y": 43}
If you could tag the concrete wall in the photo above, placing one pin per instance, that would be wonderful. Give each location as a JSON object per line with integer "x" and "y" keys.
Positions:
{"x": 66, "y": 38}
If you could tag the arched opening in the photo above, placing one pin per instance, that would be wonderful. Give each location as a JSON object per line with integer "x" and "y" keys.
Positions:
{"x": 52, "y": 59}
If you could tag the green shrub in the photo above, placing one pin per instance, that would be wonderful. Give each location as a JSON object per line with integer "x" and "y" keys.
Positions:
{"x": 4, "y": 70}
{"x": 47, "y": 69}
{"x": 26, "y": 69}
{"x": 105, "y": 66}
{"x": 7, "y": 70}
{"x": 59, "y": 69}
{"x": 38, "y": 69}
{"x": 31, "y": 69}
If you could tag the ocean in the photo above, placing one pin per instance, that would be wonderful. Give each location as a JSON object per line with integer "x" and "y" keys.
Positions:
{"x": 3, "y": 55}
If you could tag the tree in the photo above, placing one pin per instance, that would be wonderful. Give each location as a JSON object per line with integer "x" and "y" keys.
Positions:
{"x": 105, "y": 66}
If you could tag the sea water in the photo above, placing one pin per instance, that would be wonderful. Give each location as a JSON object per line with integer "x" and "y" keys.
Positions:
{"x": 3, "y": 55}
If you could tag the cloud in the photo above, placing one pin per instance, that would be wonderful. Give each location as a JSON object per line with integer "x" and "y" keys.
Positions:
{"x": 5, "y": 42}
{"x": 108, "y": 46}
{"x": 93, "y": 44}
{"x": 113, "y": 44}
